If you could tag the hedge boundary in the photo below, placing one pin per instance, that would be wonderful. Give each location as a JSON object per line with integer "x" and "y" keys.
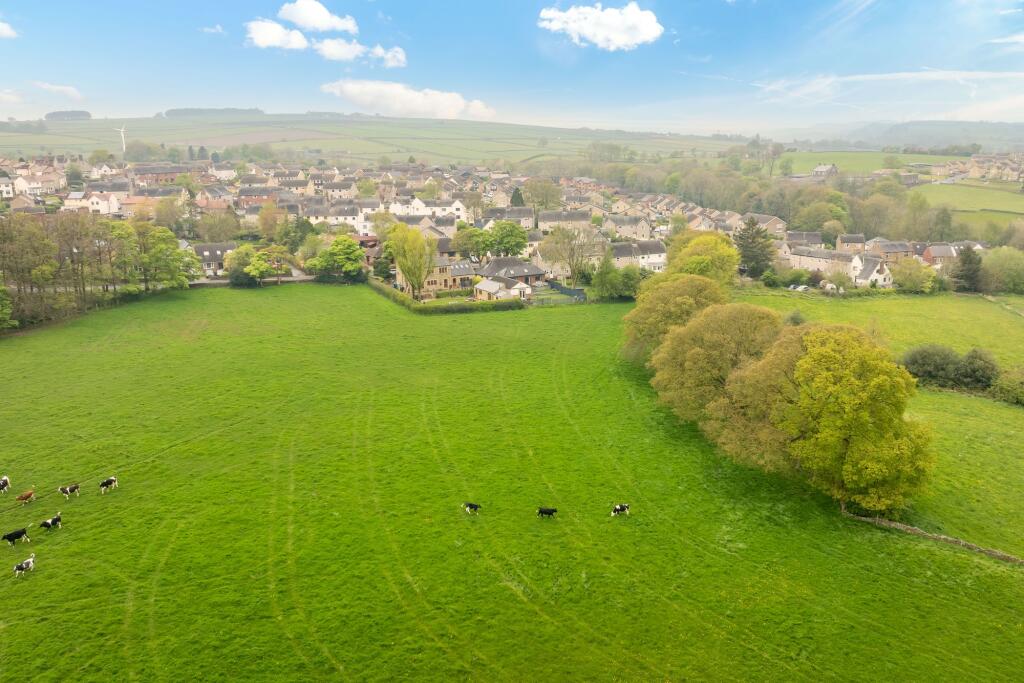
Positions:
{"x": 951, "y": 540}
{"x": 414, "y": 306}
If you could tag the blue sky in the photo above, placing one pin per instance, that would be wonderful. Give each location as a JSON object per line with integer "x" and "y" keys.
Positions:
{"x": 679, "y": 65}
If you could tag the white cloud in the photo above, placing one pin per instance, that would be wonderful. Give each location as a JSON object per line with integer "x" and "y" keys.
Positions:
{"x": 1010, "y": 11}
{"x": 1015, "y": 39}
{"x": 313, "y": 16}
{"x": 391, "y": 58}
{"x": 69, "y": 91}
{"x": 216, "y": 28}
{"x": 822, "y": 88}
{"x": 267, "y": 33}
{"x": 7, "y": 31}
{"x": 610, "y": 29}
{"x": 339, "y": 49}
{"x": 9, "y": 97}
{"x": 398, "y": 99}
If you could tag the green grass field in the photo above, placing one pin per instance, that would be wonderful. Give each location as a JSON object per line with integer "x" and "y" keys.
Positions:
{"x": 973, "y": 197}
{"x": 357, "y": 139}
{"x": 292, "y": 464}
{"x": 957, "y": 320}
{"x": 855, "y": 162}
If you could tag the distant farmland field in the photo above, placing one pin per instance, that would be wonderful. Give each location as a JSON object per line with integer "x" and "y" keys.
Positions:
{"x": 856, "y": 162}
{"x": 357, "y": 138}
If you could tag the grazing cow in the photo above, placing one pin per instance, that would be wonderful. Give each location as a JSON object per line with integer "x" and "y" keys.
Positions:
{"x": 13, "y": 537}
{"x": 52, "y": 522}
{"x": 69, "y": 489}
{"x": 546, "y": 512}
{"x": 106, "y": 484}
{"x": 470, "y": 508}
{"x": 27, "y": 497}
{"x": 5, "y": 484}
{"x": 619, "y": 509}
{"x": 26, "y": 566}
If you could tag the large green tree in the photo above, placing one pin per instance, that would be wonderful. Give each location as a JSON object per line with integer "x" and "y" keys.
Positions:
{"x": 670, "y": 303}
{"x": 571, "y": 247}
{"x": 508, "y": 238}
{"x": 414, "y": 256}
{"x": 967, "y": 270}
{"x": 340, "y": 262}
{"x": 693, "y": 362}
{"x": 473, "y": 242}
{"x": 541, "y": 193}
{"x": 710, "y": 255}
{"x": 755, "y": 248}
{"x": 848, "y": 432}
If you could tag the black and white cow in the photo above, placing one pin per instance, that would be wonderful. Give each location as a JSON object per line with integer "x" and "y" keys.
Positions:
{"x": 546, "y": 512}
{"x": 69, "y": 489}
{"x": 5, "y": 484}
{"x": 107, "y": 484}
{"x": 471, "y": 508}
{"x": 52, "y": 522}
{"x": 13, "y": 537}
{"x": 26, "y": 566}
{"x": 620, "y": 509}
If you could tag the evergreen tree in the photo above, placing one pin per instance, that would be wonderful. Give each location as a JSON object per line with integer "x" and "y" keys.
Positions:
{"x": 607, "y": 281}
{"x": 967, "y": 271}
{"x": 517, "y": 198}
{"x": 755, "y": 247}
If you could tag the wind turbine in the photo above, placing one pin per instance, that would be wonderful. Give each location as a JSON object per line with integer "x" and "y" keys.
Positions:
{"x": 121, "y": 131}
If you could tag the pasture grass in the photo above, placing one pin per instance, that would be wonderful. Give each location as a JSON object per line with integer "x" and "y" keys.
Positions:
{"x": 293, "y": 461}
{"x": 972, "y": 197}
{"x": 902, "y": 321}
{"x": 855, "y": 162}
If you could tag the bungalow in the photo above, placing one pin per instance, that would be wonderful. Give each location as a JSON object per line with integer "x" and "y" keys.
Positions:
{"x": 631, "y": 227}
{"x": 445, "y": 275}
{"x": 212, "y": 256}
{"x": 513, "y": 268}
{"x": 499, "y": 288}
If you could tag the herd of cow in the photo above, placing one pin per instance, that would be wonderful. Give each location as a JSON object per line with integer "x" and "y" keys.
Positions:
{"x": 474, "y": 508}
{"x": 48, "y": 524}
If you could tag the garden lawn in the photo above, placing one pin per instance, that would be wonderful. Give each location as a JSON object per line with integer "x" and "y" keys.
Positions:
{"x": 293, "y": 462}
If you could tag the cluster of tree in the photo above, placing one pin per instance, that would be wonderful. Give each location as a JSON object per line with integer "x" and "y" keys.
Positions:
{"x": 820, "y": 403}
{"x": 941, "y": 366}
{"x": 66, "y": 263}
{"x": 823, "y": 403}
{"x": 976, "y": 370}
{"x": 69, "y": 115}
{"x": 504, "y": 238}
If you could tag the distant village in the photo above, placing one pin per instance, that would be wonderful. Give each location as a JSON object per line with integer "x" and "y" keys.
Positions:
{"x": 634, "y": 226}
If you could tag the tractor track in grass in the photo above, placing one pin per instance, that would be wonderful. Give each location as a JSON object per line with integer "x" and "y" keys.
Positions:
{"x": 292, "y": 570}
{"x": 562, "y": 392}
{"x": 154, "y": 584}
{"x": 129, "y": 613}
{"x": 392, "y": 547}
{"x": 282, "y": 623}
{"x": 501, "y": 571}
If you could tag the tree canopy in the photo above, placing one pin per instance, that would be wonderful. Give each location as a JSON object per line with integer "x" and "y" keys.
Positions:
{"x": 672, "y": 302}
